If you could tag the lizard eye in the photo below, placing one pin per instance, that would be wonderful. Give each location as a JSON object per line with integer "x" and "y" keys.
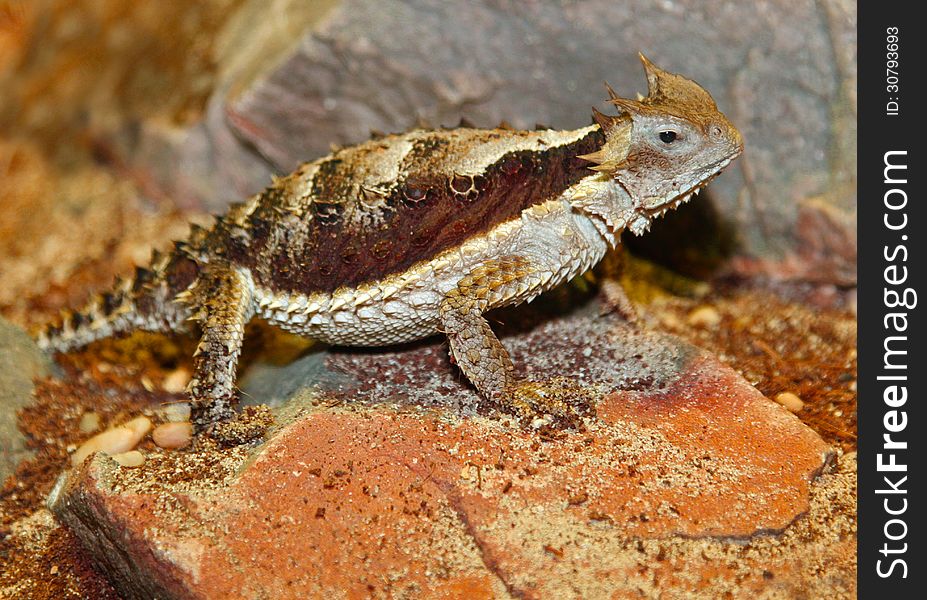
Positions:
{"x": 668, "y": 136}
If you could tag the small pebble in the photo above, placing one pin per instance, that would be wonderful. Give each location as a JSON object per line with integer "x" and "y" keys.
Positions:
{"x": 132, "y": 458}
{"x": 111, "y": 441}
{"x": 790, "y": 401}
{"x": 176, "y": 381}
{"x": 89, "y": 422}
{"x": 176, "y": 412}
{"x": 114, "y": 441}
{"x": 139, "y": 425}
{"x": 671, "y": 321}
{"x": 704, "y": 316}
{"x": 172, "y": 435}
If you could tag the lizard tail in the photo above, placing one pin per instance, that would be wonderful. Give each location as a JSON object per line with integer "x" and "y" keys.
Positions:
{"x": 105, "y": 315}
{"x": 144, "y": 302}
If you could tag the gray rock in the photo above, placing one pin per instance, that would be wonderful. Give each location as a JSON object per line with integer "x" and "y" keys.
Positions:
{"x": 21, "y": 362}
{"x": 296, "y": 83}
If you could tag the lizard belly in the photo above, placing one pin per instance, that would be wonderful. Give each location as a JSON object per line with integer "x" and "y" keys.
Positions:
{"x": 557, "y": 242}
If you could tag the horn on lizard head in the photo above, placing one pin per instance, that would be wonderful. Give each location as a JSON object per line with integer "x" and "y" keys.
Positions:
{"x": 617, "y": 130}
{"x": 665, "y": 89}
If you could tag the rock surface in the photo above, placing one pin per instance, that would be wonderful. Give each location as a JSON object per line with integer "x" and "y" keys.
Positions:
{"x": 20, "y": 362}
{"x": 400, "y": 484}
{"x": 290, "y": 87}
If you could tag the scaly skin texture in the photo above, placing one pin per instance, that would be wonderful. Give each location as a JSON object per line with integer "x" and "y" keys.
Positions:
{"x": 407, "y": 235}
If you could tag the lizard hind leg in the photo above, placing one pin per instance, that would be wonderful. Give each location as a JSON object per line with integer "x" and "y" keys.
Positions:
{"x": 484, "y": 360}
{"x": 222, "y": 301}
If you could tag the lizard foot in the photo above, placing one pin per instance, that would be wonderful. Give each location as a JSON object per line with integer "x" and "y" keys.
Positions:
{"x": 556, "y": 403}
{"x": 242, "y": 428}
{"x": 216, "y": 418}
{"x": 208, "y": 412}
{"x": 616, "y": 300}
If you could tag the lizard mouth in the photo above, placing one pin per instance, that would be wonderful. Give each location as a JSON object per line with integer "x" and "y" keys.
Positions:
{"x": 680, "y": 199}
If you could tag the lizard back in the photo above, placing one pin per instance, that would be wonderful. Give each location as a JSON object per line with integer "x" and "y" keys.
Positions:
{"x": 375, "y": 209}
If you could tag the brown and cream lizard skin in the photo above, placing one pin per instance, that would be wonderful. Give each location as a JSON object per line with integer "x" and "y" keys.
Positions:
{"x": 404, "y": 236}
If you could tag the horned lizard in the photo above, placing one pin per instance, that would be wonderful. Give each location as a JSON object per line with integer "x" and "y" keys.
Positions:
{"x": 411, "y": 234}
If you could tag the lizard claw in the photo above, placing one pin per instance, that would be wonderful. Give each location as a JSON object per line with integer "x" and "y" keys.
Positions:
{"x": 557, "y": 403}
{"x": 243, "y": 428}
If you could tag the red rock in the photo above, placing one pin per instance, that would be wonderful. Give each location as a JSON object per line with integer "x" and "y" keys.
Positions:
{"x": 357, "y": 499}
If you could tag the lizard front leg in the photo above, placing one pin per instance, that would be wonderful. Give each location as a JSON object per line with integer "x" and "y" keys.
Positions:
{"x": 613, "y": 295}
{"x": 479, "y": 353}
{"x": 221, "y": 300}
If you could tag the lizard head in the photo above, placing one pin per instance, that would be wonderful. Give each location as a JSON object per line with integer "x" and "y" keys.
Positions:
{"x": 662, "y": 149}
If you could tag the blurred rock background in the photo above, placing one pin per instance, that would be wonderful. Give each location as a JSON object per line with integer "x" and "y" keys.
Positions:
{"x": 119, "y": 120}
